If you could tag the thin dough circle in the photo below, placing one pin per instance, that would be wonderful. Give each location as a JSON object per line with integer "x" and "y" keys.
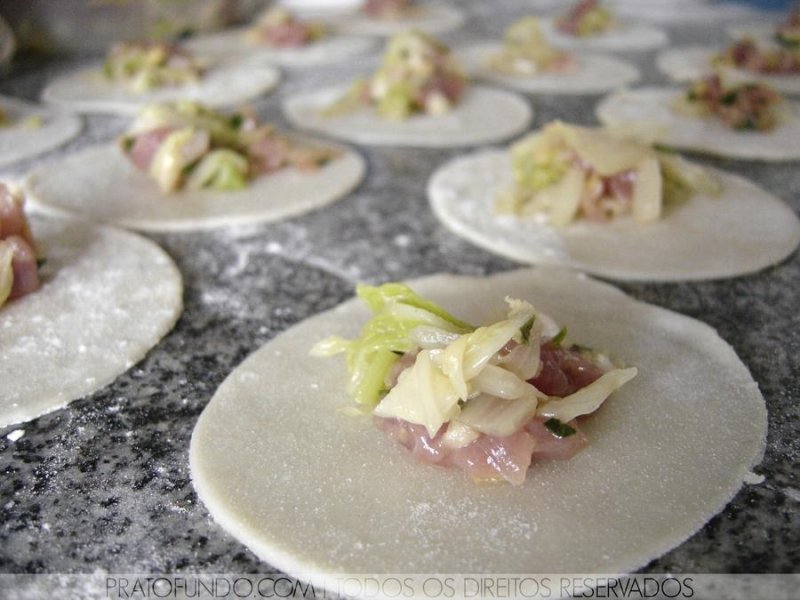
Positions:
{"x": 595, "y": 73}
{"x": 704, "y": 134}
{"x": 683, "y": 11}
{"x": 622, "y": 38}
{"x": 435, "y": 19}
{"x": 692, "y": 62}
{"x": 742, "y": 231}
{"x": 108, "y": 297}
{"x": 316, "y": 493}
{"x": 762, "y": 32}
{"x": 101, "y": 184}
{"x": 233, "y": 44}
{"x": 482, "y": 116}
{"x": 20, "y": 142}
{"x": 223, "y": 85}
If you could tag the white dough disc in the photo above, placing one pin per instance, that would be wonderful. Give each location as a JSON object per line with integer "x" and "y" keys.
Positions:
{"x": 625, "y": 37}
{"x": 434, "y": 19}
{"x": 594, "y": 73}
{"x": 692, "y": 62}
{"x": 684, "y": 11}
{"x": 318, "y": 493}
{"x": 108, "y": 296}
{"x": 482, "y": 116}
{"x": 101, "y": 184}
{"x": 230, "y": 84}
{"x": 233, "y": 44}
{"x": 742, "y": 231}
{"x": 762, "y": 32}
{"x": 703, "y": 134}
{"x": 17, "y": 141}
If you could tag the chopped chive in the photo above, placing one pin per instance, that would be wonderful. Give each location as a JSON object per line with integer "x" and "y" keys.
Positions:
{"x": 729, "y": 98}
{"x": 236, "y": 121}
{"x": 562, "y": 334}
{"x": 559, "y": 429}
{"x": 525, "y": 330}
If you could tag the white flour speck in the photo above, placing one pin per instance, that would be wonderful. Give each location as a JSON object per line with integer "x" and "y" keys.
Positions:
{"x": 15, "y": 435}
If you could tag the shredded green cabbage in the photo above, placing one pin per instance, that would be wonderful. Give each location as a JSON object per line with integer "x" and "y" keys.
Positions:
{"x": 397, "y": 310}
{"x": 220, "y": 169}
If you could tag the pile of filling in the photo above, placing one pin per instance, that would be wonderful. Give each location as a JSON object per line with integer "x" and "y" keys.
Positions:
{"x": 418, "y": 74}
{"x": 585, "y": 19}
{"x": 488, "y": 400}
{"x": 389, "y": 9}
{"x": 19, "y": 257}
{"x": 185, "y": 145}
{"x": 144, "y": 66}
{"x": 564, "y": 172}
{"x": 788, "y": 32}
{"x": 279, "y": 28}
{"x": 526, "y": 52}
{"x": 747, "y": 107}
{"x": 746, "y": 54}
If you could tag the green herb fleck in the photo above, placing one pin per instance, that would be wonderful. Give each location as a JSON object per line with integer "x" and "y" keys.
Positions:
{"x": 525, "y": 330}
{"x": 236, "y": 121}
{"x": 562, "y": 334}
{"x": 559, "y": 429}
{"x": 728, "y": 98}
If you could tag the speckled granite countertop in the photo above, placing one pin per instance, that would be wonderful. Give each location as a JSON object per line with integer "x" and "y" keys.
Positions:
{"x": 104, "y": 484}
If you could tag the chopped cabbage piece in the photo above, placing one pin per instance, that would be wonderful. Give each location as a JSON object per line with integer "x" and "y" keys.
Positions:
{"x": 179, "y": 150}
{"x": 423, "y": 395}
{"x": 459, "y": 435}
{"x": 607, "y": 154}
{"x": 587, "y": 399}
{"x": 647, "y": 192}
{"x": 398, "y": 310}
{"x": 498, "y": 416}
{"x": 6, "y": 271}
{"x": 682, "y": 177}
{"x": 221, "y": 169}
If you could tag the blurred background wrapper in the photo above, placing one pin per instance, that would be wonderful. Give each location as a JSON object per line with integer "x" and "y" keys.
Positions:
{"x": 91, "y": 26}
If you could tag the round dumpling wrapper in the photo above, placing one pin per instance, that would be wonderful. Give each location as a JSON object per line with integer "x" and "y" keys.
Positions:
{"x": 593, "y": 73}
{"x": 221, "y": 85}
{"x": 693, "y": 62}
{"x": 620, "y": 38}
{"x": 234, "y": 44}
{"x": 483, "y": 115}
{"x": 431, "y": 18}
{"x": 741, "y": 231}
{"x": 762, "y": 32}
{"x": 101, "y": 184}
{"x": 318, "y": 493}
{"x": 683, "y": 11}
{"x": 703, "y": 134}
{"x": 19, "y": 141}
{"x": 107, "y": 297}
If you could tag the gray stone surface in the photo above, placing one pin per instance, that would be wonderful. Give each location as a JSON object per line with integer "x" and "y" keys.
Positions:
{"x": 104, "y": 484}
